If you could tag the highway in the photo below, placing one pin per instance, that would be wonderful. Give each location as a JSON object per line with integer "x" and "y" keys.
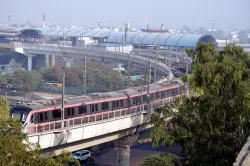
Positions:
{"x": 137, "y": 153}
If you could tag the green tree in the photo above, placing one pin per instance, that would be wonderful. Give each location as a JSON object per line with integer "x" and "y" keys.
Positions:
{"x": 212, "y": 126}
{"x": 52, "y": 73}
{"x": 160, "y": 160}
{"x": 15, "y": 149}
{"x": 100, "y": 76}
{"x": 72, "y": 78}
{"x": 36, "y": 79}
{"x": 26, "y": 80}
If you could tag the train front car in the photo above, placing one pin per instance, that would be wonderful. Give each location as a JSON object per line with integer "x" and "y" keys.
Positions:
{"x": 22, "y": 112}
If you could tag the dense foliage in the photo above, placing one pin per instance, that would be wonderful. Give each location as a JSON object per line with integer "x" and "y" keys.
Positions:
{"x": 97, "y": 76}
{"x": 160, "y": 160}
{"x": 15, "y": 148}
{"x": 212, "y": 126}
{"x": 22, "y": 80}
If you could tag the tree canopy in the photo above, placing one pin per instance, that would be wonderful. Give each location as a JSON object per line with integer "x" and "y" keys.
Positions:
{"x": 211, "y": 126}
{"x": 160, "y": 160}
{"x": 15, "y": 148}
{"x": 97, "y": 76}
{"x": 23, "y": 80}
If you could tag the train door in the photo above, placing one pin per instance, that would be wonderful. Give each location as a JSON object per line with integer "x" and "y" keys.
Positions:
{"x": 70, "y": 112}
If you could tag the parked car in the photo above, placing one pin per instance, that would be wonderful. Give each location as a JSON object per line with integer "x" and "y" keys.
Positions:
{"x": 83, "y": 155}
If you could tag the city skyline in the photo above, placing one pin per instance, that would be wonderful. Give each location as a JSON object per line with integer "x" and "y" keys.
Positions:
{"x": 174, "y": 14}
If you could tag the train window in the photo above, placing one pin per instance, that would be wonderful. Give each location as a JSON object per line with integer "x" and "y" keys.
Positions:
{"x": 41, "y": 116}
{"x": 145, "y": 98}
{"x": 134, "y": 100}
{"x": 96, "y": 107}
{"x": 117, "y": 103}
{"x": 175, "y": 91}
{"x": 113, "y": 105}
{"x": 56, "y": 114}
{"x": 92, "y": 108}
{"x": 82, "y": 109}
{"x": 138, "y": 100}
{"x": 16, "y": 115}
{"x": 121, "y": 103}
{"x": 162, "y": 94}
{"x": 72, "y": 111}
{"x": 32, "y": 118}
{"x": 45, "y": 115}
{"x": 152, "y": 96}
{"x": 167, "y": 93}
{"x": 157, "y": 95}
{"x": 24, "y": 117}
{"x": 105, "y": 106}
{"x": 68, "y": 111}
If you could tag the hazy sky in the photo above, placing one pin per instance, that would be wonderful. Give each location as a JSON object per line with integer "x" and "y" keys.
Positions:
{"x": 226, "y": 14}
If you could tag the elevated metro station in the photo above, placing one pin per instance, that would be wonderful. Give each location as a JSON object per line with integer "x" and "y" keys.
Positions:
{"x": 166, "y": 40}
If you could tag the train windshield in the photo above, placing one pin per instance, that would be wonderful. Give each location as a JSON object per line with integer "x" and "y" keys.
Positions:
{"x": 20, "y": 112}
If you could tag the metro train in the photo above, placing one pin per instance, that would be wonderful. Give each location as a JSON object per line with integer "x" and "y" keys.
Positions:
{"x": 44, "y": 115}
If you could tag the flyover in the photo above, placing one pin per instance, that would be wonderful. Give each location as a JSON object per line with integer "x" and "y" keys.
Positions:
{"x": 69, "y": 53}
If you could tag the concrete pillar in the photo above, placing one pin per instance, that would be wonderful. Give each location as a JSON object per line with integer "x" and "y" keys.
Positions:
{"x": 47, "y": 60}
{"x": 68, "y": 61}
{"x": 123, "y": 150}
{"x": 30, "y": 56}
{"x": 119, "y": 67}
{"x": 52, "y": 60}
{"x": 123, "y": 155}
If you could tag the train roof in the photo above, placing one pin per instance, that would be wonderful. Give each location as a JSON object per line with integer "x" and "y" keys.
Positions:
{"x": 27, "y": 106}
{"x": 130, "y": 91}
{"x": 107, "y": 95}
{"x": 95, "y": 96}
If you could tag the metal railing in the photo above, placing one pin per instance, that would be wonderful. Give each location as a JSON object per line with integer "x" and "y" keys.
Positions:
{"x": 24, "y": 97}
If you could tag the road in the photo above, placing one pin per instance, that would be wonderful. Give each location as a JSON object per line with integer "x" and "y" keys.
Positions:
{"x": 137, "y": 153}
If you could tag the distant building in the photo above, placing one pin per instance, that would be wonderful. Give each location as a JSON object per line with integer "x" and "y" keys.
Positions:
{"x": 102, "y": 24}
{"x": 235, "y": 38}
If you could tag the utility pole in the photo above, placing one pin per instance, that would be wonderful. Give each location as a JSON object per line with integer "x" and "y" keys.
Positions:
{"x": 126, "y": 32}
{"x": 139, "y": 45}
{"x": 122, "y": 44}
{"x": 147, "y": 50}
{"x": 115, "y": 44}
{"x": 85, "y": 75}
{"x": 149, "y": 82}
{"x": 156, "y": 62}
{"x": 171, "y": 58}
{"x": 129, "y": 69}
{"x": 187, "y": 78}
{"x": 9, "y": 20}
{"x": 63, "y": 92}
